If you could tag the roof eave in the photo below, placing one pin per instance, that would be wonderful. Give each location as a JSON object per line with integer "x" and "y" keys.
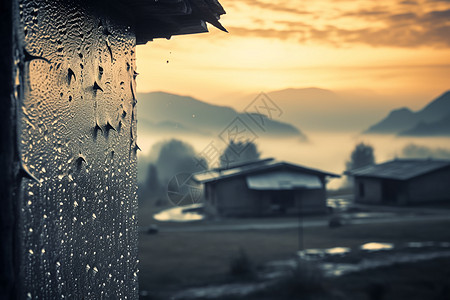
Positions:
{"x": 166, "y": 18}
{"x": 264, "y": 168}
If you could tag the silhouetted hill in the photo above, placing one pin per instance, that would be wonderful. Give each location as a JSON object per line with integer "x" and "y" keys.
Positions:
{"x": 433, "y": 119}
{"x": 397, "y": 120}
{"x": 159, "y": 111}
{"x": 439, "y": 128}
{"x": 437, "y": 109}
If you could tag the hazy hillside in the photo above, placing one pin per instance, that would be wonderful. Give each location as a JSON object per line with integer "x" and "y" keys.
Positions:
{"x": 326, "y": 110}
{"x": 439, "y": 128}
{"x": 169, "y": 113}
{"x": 437, "y": 109}
{"x": 432, "y": 120}
{"x": 398, "y": 120}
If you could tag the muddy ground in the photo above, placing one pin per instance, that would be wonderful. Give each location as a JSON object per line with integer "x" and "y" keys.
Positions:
{"x": 173, "y": 261}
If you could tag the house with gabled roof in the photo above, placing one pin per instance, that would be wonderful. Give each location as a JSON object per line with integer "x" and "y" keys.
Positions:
{"x": 264, "y": 188}
{"x": 403, "y": 182}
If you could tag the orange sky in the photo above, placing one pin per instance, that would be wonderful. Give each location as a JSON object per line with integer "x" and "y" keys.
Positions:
{"x": 395, "y": 48}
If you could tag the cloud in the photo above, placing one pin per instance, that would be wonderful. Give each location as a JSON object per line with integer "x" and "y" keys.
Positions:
{"x": 265, "y": 33}
{"x": 409, "y": 2}
{"x": 365, "y": 13}
{"x": 276, "y": 7}
{"x": 399, "y": 25}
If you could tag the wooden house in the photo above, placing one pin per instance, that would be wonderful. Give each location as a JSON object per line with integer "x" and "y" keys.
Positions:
{"x": 263, "y": 188}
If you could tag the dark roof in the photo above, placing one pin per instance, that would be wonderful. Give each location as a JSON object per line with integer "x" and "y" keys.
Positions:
{"x": 253, "y": 167}
{"x": 400, "y": 169}
{"x": 165, "y": 18}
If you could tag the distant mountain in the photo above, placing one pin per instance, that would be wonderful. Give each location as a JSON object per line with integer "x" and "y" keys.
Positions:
{"x": 169, "y": 113}
{"x": 326, "y": 110}
{"x": 437, "y": 109}
{"x": 439, "y": 128}
{"x": 433, "y": 119}
{"x": 397, "y": 120}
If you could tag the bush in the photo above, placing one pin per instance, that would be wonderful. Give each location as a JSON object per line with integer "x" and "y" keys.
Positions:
{"x": 305, "y": 281}
{"x": 305, "y": 278}
{"x": 241, "y": 265}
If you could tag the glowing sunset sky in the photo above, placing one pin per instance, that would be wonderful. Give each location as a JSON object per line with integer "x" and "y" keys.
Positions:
{"x": 396, "y": 48}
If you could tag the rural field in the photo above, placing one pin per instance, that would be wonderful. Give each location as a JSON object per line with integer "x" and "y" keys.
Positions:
{"x": 174, "y": 260}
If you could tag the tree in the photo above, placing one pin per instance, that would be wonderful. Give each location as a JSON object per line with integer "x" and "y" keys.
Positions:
{"x": 177, "y": 157}
{"x": 152, "y": 182}
{"x": 239, "y": 152}
{"x": 150, "y": 190}
{"x": 362, "y": 155}
{"x": 166, "y": 160}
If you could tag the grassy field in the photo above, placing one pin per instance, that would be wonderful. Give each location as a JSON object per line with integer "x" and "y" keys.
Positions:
{"x": 174, "y": 260}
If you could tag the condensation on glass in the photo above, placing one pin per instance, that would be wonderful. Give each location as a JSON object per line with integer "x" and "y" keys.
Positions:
{"x": 75, "y": 94}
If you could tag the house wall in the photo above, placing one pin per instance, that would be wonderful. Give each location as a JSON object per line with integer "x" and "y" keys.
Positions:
{"x": 311, "y": 201}
{"x": 372, "y": 190}
{"x": 427, "y": 188}
{"x": 430, "y": 187}
{"x": 75, "y": 185}
{"x": 231, "y": 197}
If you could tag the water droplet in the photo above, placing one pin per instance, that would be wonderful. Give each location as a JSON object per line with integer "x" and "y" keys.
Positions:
{"x": 70, "y": 75}
{"x": 96, "y": 87}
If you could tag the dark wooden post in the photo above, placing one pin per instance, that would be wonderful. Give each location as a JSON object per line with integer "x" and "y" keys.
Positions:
{"x": 68, "y": 225}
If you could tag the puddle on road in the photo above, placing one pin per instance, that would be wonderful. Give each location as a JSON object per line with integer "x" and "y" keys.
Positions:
{"x": 317, "y": 254}
{"x": 185, "y": 213}
{"x": 377, "y": 246}
{"x": 428, "y": 244}
{"x": 229, "y": 290}
{"x": 339, "y": 269}
{"x": 339, "y": 204}
{"x": 366, "y": 215}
